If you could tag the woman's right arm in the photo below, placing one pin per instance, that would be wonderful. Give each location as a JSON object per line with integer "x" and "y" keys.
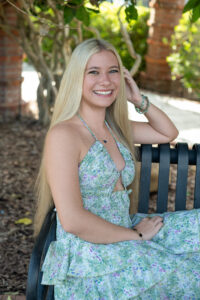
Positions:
{"x": 62, "y": 153}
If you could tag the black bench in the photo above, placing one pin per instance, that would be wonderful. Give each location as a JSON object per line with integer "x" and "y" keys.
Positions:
{"x": 162, "y": 154}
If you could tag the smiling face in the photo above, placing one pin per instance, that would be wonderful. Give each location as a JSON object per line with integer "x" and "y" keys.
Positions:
{"x": 101, "y": 80}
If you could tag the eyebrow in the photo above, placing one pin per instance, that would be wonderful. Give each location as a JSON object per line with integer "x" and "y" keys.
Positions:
{"x": 97, "y": 68}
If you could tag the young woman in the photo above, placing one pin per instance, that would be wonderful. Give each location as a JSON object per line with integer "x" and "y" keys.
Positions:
{"x": 86, "y": 172}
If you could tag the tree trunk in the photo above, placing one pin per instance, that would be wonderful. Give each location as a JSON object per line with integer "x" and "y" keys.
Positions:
{"x": 165, "y": 15}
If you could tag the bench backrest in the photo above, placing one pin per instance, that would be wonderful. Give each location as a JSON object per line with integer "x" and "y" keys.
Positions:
{"x": 162, "y": 154}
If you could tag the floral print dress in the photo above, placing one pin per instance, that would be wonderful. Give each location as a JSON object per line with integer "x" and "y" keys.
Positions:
{"x": 167, "y": 267}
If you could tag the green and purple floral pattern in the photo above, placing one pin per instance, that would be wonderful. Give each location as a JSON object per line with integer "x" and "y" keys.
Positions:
{"x": 167, "y": 267}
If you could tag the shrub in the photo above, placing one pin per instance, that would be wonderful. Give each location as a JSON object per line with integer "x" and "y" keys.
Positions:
{"x": 108, "y": 25}
{"x": 185, "y": 57}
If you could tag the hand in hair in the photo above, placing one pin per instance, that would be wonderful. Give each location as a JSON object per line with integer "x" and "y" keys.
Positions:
{"x": 132, "y": 90}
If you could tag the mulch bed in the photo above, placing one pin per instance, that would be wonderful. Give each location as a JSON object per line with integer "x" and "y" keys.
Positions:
{"x": 11, "y": 297}
{"x": 20, "y": 147}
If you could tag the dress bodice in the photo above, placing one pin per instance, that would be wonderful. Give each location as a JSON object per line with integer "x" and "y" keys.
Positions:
{"x": 98, "y": 172}
{"x": 98, "y": 176}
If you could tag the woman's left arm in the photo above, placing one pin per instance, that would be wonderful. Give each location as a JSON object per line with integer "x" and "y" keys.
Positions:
{"x": 159, "y": 128}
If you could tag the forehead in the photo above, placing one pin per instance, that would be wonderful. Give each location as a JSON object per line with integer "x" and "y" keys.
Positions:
{"x": 103, "y": 58}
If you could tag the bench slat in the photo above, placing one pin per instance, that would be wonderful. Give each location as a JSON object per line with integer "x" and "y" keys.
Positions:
{"x": 182, "y": 174}
{"x": 163, "y": 179}
{"x": 197, "y": 177}
{"x": 145, "y": 178}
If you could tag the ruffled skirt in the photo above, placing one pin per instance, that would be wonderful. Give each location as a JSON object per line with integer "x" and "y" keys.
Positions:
{"x": 167, "y": 267}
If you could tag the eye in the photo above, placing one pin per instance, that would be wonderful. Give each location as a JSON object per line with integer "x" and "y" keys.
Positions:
{"x": 94, "y": 72}
{"x": 114, "y": 71}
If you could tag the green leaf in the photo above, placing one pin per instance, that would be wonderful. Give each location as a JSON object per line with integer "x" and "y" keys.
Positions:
{"x": 75, "y": 3}
{"x": 195, "y": 14}
{"x": 59, "y": 6}
{"x": 42, "y": 4}
{"x": 83, "y": 15}
{"x": 131, "y": 13}
{"x": 92, "y": 10}
{"x": 69, "y": 13}
{"x": 190, "y": 5}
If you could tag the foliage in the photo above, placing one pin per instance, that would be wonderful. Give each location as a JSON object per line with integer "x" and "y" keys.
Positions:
{"x": 138, "y": 30}
{"x": 194, "y": 7}
{"x": 131, "y": 11}
{"x": 108, "y": 25}
{"x": 185, "y": 58}
{"x": 49, "y": 30}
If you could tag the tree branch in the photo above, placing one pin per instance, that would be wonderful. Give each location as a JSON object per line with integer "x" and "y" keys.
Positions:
{"x": 129, "y": 44}
{"x": 93, "y": 30}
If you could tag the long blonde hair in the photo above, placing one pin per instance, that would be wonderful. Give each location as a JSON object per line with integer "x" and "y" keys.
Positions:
{"x": 67, "y": 105}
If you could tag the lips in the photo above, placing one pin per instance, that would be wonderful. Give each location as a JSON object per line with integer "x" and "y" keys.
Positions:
{"x": 104, "y": 93}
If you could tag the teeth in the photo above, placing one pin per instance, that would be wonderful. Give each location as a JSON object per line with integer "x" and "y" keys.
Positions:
{"x": 102, "y": 92}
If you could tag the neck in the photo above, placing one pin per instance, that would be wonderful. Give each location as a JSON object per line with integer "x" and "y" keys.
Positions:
{"x": 95, "y": 118}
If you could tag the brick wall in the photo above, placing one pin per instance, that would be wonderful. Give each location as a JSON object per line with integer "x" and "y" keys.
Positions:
{"x": 165, "y": 14}
{"x": 10, "y": 69}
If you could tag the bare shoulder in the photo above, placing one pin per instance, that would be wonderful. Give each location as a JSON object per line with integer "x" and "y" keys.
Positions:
{"x": 67, "y": 130}
{"x": 64, "y": 136}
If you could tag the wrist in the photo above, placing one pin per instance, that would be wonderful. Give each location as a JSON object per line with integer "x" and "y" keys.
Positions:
{"x": 138, "y": 102}
{"x": 140, "y": 235}
{"x": 144, "y": 106}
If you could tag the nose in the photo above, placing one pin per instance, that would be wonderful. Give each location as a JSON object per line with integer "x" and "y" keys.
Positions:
{"x": 105, "y": 79}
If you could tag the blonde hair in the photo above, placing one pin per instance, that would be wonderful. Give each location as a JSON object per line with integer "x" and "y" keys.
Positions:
{"x": 67, "y": 105}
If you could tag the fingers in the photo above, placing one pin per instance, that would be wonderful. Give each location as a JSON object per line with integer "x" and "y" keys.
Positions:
{"x": 150, "y": 226}
{"x": 131, "y": 82}
{"x": 125, "y": 70}
{"x": 155, "y": 220}
{"x": 127, "y": 75}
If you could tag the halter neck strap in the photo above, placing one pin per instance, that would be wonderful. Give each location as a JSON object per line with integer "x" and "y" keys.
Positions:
{"x": 86, "y": 125}
{"x": 111, "y": 131}
{"x": 90, "y": 130}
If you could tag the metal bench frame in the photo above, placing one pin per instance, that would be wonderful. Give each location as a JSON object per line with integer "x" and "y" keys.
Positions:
{"x": 162, "y": 154}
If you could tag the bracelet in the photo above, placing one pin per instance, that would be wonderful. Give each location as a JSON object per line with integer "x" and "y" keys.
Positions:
{"x": 143, "y": 108}
{"x": 139, "y": 233}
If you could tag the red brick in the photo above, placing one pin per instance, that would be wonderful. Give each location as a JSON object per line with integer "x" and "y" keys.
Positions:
{"x": 164, "y": 16}
{"x": 10, "y": 51}
{"x": 161, "y": 16}
{"x": 157, "y": 32}
{"x": 12, "y": 82}
{"x": 178, "y": 4}
{"x": 10, "y": 58}
{"x": 7, "y": 74}
{"x": 8, "y": 42}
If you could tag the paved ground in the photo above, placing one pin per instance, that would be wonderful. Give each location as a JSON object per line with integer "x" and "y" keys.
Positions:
{"x": 184, "y": 113}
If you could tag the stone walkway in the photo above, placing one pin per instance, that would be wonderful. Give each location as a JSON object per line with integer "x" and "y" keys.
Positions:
{"x": 184, "y": 113}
